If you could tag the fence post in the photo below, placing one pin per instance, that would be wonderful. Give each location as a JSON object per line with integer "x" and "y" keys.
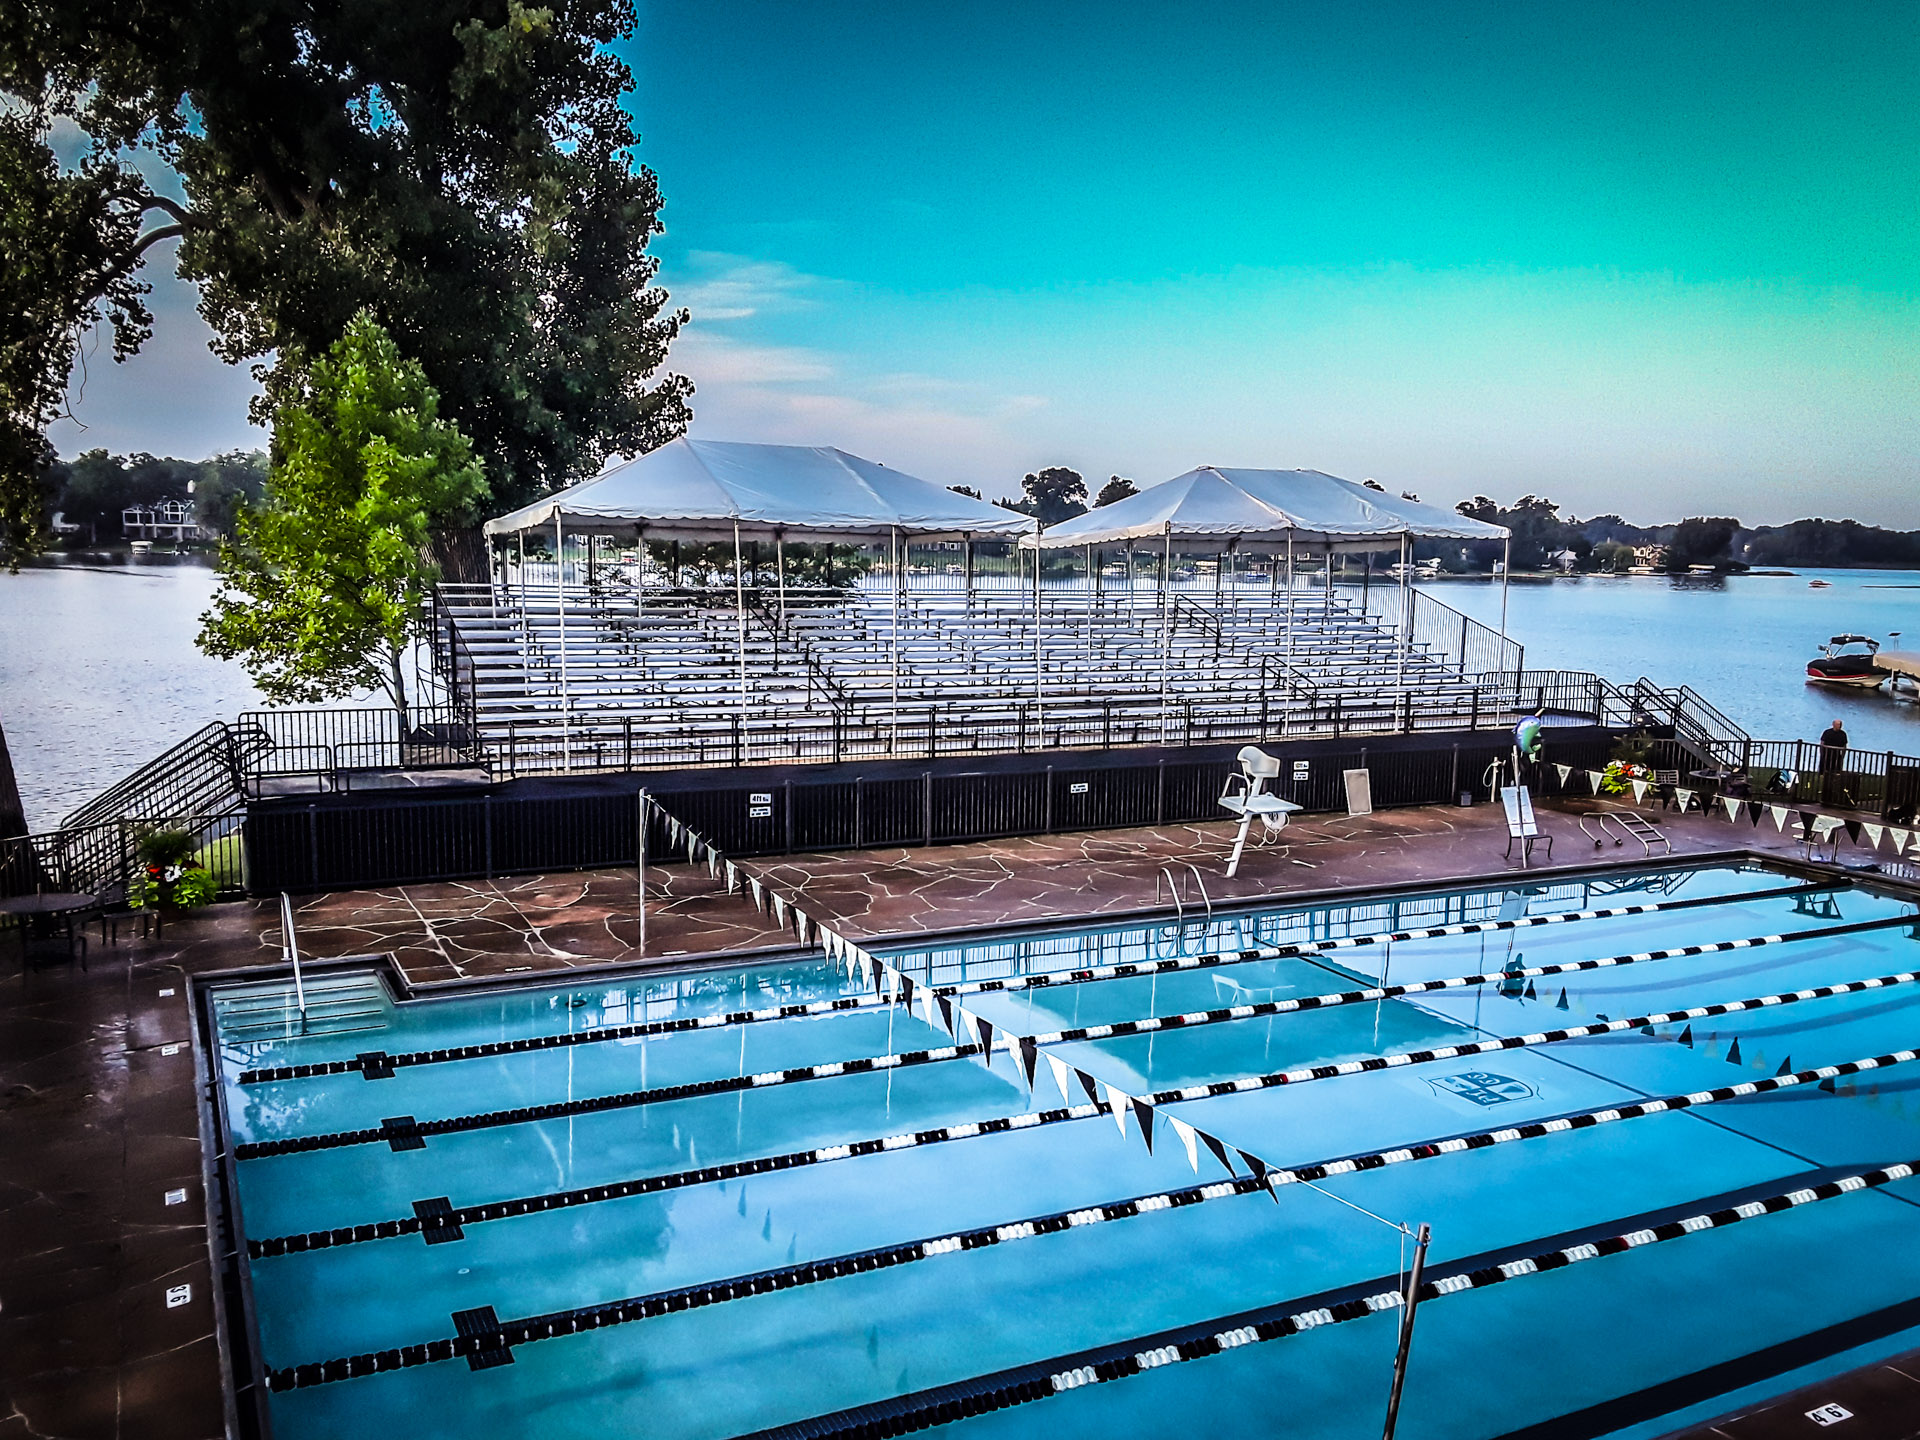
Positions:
{"x": 736, "y": 742}
{"x": 486, "y": 824}
{"x": 1046, "y": 813}
{"x": 1886, "y": 786}
{"x": 932, "y": 748}
{"x": 859, "y": 783}
{"x": 836, "y": 737}
{"x": 313, "y": 843}
{"x": 627, "y": 727}
{"x": 1189, "y": 705}
{"x": 926, "y": 806}
{"x": 1473, "y": 722}
{"x": 1106, "y": 724}
{"x": 1160, "y": 793}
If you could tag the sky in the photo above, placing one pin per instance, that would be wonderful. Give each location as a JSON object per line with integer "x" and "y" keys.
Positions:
{"x": 1654, "y": 260}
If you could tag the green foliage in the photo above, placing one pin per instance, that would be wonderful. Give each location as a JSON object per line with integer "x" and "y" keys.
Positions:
{"x": 1701, "y": 541}
{"x": 1614, "y": 556}
{"x": 225, "y": 861}
{"x": 321, "y": 590}
{"x": 227, "y": 485}
{"x": 1834, "y": 542}
{"x": 1115, "y": 489}
{"x": 462, "y": 169}
{"x": 166, "y": 847}
{"x": 1052, "y": 495}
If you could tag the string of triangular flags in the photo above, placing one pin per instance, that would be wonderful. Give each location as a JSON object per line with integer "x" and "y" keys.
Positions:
{"x": 944, "y": 1013}
{"x": 1813, "y": 825}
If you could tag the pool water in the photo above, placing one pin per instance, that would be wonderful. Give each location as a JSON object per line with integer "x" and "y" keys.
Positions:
{"x": 1631, "y": 1344}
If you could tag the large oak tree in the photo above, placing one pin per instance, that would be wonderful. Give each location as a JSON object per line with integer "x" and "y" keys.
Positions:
{"x": 463, "y": 170}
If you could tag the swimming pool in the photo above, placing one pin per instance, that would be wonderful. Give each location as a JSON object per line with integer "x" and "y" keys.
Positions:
{"x": 652, "y": 1206}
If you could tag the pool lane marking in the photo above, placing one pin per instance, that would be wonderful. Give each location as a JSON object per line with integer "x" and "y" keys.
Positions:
{"x": 404, "y": 1130}
{"x": 1025, "y": 1384}
{"x": 379, "y": 1065}
{"x": 493, "y": 1344}
{"x": 452, "y": 1219}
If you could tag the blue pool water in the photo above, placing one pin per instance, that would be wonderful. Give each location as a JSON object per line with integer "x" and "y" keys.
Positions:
{"x": 1631, "y": 1344}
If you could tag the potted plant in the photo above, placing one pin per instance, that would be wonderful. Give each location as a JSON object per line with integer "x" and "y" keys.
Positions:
{"x": 170, "y": 877}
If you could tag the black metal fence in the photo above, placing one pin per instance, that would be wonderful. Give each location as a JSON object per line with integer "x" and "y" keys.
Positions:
{"x": 102, "y": 859}
{"x": 346, "y": 841}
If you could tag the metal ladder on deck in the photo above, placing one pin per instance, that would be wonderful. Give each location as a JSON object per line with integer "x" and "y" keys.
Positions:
{"x": 1600, "y": 826}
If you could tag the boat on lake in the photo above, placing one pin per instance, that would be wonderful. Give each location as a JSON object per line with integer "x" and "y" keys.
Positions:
{"x": 1850, "y": 660}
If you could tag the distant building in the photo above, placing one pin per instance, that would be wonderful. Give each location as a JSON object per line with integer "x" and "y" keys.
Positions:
{"x": 169, "y": 520}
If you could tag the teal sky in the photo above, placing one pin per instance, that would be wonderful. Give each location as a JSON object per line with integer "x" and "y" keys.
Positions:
{"x": 1655, "y": 259}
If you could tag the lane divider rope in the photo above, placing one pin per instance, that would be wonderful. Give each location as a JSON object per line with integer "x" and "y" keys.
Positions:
{"x": 827, "y": 1154}
{"x": 494, "y": 1345}
{"x": 405, "y": 1129}
{"x": 1023, "y": 1385}
{"x": 378, "y": 1064}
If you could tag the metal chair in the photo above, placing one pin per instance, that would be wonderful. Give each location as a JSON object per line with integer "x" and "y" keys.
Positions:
{"x": 1246, "y": 795}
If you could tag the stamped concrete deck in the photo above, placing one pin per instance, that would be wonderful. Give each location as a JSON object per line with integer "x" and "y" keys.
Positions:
{"x": 98, "y": 1121}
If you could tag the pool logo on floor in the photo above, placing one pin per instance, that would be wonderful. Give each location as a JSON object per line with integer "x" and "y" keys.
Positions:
{"x": 1482, "y": 1087}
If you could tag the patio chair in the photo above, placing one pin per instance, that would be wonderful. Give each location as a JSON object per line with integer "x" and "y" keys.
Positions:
{"x": 1246, "y": 795}
{"x": 1522, "y": 824}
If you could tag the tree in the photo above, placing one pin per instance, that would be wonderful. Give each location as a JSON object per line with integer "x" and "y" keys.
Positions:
{"x": 1052, "y": 495}
{"x": 226, "y": 485}
{"x": 100, "y": 486}
{"x": 462, "y": 169}
{"x": 1115, "y": 489}
{"x": 966, "y": 490}
{"x": 1700, "y": 540}
{"x": 320, "y": 593}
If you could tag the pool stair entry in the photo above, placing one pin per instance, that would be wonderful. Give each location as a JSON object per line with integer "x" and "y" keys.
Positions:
{"x": 336, "y": 1005}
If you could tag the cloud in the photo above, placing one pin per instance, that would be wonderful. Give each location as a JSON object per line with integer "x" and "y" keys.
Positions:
{"x": 734, "y": 287}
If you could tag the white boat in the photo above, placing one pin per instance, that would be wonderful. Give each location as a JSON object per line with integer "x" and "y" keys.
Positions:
{"x": 1849, "y": 660}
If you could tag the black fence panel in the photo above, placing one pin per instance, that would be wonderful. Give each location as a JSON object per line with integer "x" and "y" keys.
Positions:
{"x": 521, "y": 827}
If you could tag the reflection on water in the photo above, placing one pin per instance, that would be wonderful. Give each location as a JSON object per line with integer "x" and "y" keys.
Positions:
{"x": 99, "y": 673}
{"x": 98, "y": 670}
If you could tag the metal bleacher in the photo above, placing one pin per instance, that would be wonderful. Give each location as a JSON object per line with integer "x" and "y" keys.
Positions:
{"x": 673, "y": 677}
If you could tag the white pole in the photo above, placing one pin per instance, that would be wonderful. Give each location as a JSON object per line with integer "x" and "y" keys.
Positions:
{"x": 1406, "y": 614}
{"x": 893, "y": 638}
{"x": 1506, "y": 569}
{"x": 1039, "y": 718}
{"x": 1289, "y": 597}
{"x": 1166, "y": 626}
{"x": 640, "y": 860}
{"x": 740, "y": 616}
{"x": 780, "y": 564}
{"x": 560, "y": 598}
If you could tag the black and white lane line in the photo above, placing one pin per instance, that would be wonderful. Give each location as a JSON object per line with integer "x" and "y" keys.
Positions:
{"x": 435, "y": 1223}
{"x": 406, "y": 1132}
{"x": 380, "y": 1065}
{"x": 490, "y": 1343}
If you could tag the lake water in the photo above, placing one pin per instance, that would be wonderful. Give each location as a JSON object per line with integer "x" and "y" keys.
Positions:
{"x": 98, "y": 670}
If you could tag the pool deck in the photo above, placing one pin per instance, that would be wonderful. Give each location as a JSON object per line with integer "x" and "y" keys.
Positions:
{"x": 98, "y": 1112}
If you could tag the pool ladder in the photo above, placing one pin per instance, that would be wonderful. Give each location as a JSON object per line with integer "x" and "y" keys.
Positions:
{"x": 1630, "y": 824}
{"x": 1178, "y": 930}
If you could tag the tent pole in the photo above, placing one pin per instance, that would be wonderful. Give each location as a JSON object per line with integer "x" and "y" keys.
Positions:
{"x": 1289, "y": 597}
{"x": 740, "y": 617}
{"x": 1406, "y": 615}
{"x": 969, "y": 562}
{"x": 1506, "y": 569}
{"x": 1166, "y": 625}
{"x": 560, "y": 598}
{"x": 893, "y": 637}
{"x": 1040, "y": 720}
{"x": 780, "y": 564}
{"x": 520, "y": 569}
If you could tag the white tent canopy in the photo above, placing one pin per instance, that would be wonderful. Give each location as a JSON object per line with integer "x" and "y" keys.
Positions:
{"x": 1265, "y": 508}
{"x": 708, "y": 490}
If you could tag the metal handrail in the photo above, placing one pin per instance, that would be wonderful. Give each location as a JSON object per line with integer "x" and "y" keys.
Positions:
{"x": 290, "y": 948}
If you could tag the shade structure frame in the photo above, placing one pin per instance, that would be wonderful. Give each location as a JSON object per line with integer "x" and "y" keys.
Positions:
{"x": 706, "y": 491}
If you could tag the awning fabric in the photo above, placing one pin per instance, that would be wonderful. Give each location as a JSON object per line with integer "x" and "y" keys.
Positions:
{"x": 1263, "y": 509}
{"x": 697, "y": 490}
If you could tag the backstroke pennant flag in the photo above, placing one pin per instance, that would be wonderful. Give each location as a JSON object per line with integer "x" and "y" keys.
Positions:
{"x": 1187, "y": 1136}
{"x": 1779, "y": 813}
{"x": 1143, "y": 1115}
{"x": 946, "y": 1024}
{"x": 986, "y": 1043}
{"x": 1565, "y": 770}
{"x": 1029, "y": 1058}
{"x": 1060, "y": 1072}
{"x": 1118, "y": 1101}
{"x": 759, "y": 894}
{"x": 1086, "y": 1083}
{"x": 1219, "y": 1149}
{"x": 1900, "y": 838}
{"x": 1594, "y": 777}
{"x": 1683, "y": 797}
{"x": 1733, "y": 807}
{"x": 1873, "y": 832}
{"x": 1639, "y": 791}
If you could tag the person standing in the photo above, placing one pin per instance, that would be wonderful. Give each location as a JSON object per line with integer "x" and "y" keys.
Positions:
{"x": 1833, "y": 759}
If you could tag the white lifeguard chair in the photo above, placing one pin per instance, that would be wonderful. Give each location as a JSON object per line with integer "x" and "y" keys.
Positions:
{"x": 1246, "y": 795}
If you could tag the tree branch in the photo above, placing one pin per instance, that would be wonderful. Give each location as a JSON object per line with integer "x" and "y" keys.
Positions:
{"x": 160, "y": 202}
{"x": 153, "y": 237}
